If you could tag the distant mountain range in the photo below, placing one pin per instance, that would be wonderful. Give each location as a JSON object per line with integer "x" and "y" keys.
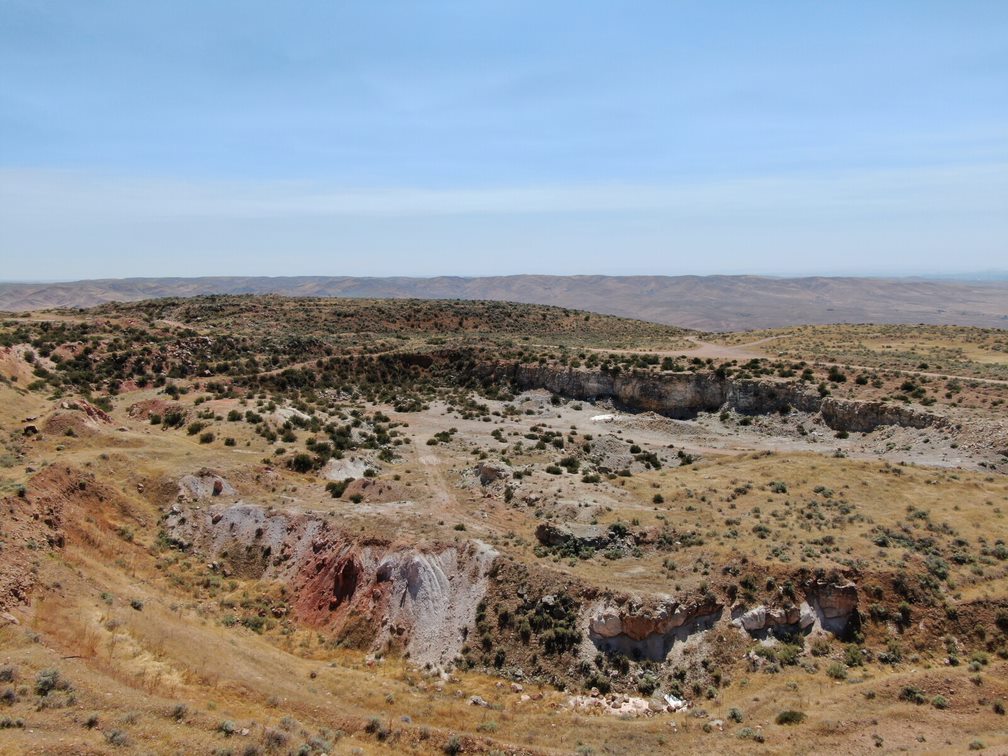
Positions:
{"x": 702, "y": 302}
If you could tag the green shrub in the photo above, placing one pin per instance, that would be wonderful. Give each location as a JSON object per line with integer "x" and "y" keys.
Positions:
{"x": 117, "y": 738}
{"x": 337, "y": 487}
{"x": 302, "y": 462}
{"x": 837, "y": 671}
{"x": 49, "y": 680}
{"x": 790, "y": 717}
{"x": 912, "y": 694}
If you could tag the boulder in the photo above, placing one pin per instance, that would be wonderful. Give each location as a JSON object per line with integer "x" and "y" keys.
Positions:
{"x": 492, "y": 471}
{"x": 762, "y": 618}
{"x": 753, "y": 620}
{"x": 606, "y": 624}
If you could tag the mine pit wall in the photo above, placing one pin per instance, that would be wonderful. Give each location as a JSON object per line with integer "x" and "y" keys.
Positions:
{"x": 423, "y": 600}
{"x": 370, "y": 594}
{"x": 651, "y": 632}
{"x": 684, "y": 395}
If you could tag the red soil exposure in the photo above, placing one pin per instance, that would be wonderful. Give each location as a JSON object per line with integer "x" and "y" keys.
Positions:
{"x": 366, "y": 592}
{"x": 143, "y": 410}
{"x": 56, "y": 500}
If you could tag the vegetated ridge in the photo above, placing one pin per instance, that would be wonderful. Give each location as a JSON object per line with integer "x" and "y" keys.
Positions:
{"x": 710, "y": 303}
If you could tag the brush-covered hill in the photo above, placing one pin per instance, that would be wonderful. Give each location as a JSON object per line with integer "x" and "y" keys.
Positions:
{"x": 703, "y": 302}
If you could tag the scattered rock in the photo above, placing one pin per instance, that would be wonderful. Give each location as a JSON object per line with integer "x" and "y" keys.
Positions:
{"x": 491, "y": 471}
{"x": 205, "y": 484}
{"x": 578, "y": 536}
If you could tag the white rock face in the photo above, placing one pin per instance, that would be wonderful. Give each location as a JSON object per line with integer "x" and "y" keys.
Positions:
{"x": 606, "y": 624}
{"x": 349, "y": 467}
{"x": 754, "y": 619}
{"x": 675, "y": 704}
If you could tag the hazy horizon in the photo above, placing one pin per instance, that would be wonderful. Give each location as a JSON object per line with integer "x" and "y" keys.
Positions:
{"x": 993, "y": 275}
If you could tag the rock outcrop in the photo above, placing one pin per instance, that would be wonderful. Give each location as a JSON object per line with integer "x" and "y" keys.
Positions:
{"x": 676, "y": 395}
{"x": 649, "y": 629}
{"x": 491, "y": 471}
{"x": 836, "y": 605}
{"x": 863, "y": 417}
{"x": 831, "y": 607}
{"x": 204, "y": 484}
{"x": 573, "y": 535}
{"x": 762, "y": 619}
{"x": 685, "y": 395}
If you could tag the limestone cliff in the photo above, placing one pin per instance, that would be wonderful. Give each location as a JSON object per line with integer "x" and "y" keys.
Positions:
{"x": 684, "y": 395}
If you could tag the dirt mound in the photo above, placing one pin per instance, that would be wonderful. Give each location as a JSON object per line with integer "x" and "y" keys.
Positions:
{"x": 76, "y": 418}
{"x": 94, "y": 414}
{"x": 375, "y": 490}
{"x": 61, "y": 423}
{"x": 55, "y": 503}
{"x": 143, "y": 410}
{"x": 205, "y": 484}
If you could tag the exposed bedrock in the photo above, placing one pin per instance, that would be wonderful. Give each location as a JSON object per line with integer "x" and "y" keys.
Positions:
{"x": 369, "y": 593}
{"x": 681, "y": 397}
{"x": 423, "y": 599}
{"x": 650, "y": 628}
{"x": 862, "y": 417}
{"x": 829, "y": 607}
{"x": 574, "y": 535}
{"x": 685, "y": 395}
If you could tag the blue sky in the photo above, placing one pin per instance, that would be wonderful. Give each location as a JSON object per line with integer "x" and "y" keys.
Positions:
{"x": 381, "y": 138}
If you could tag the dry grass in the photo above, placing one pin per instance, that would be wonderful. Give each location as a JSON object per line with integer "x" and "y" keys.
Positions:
{"x": 139, "y": 628}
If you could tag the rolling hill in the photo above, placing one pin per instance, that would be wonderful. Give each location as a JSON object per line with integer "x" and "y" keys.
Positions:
{"x": 704, "y": 302}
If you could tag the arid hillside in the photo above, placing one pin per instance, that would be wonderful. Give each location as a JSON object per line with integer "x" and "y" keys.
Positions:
{"x": 268, "y": 525}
